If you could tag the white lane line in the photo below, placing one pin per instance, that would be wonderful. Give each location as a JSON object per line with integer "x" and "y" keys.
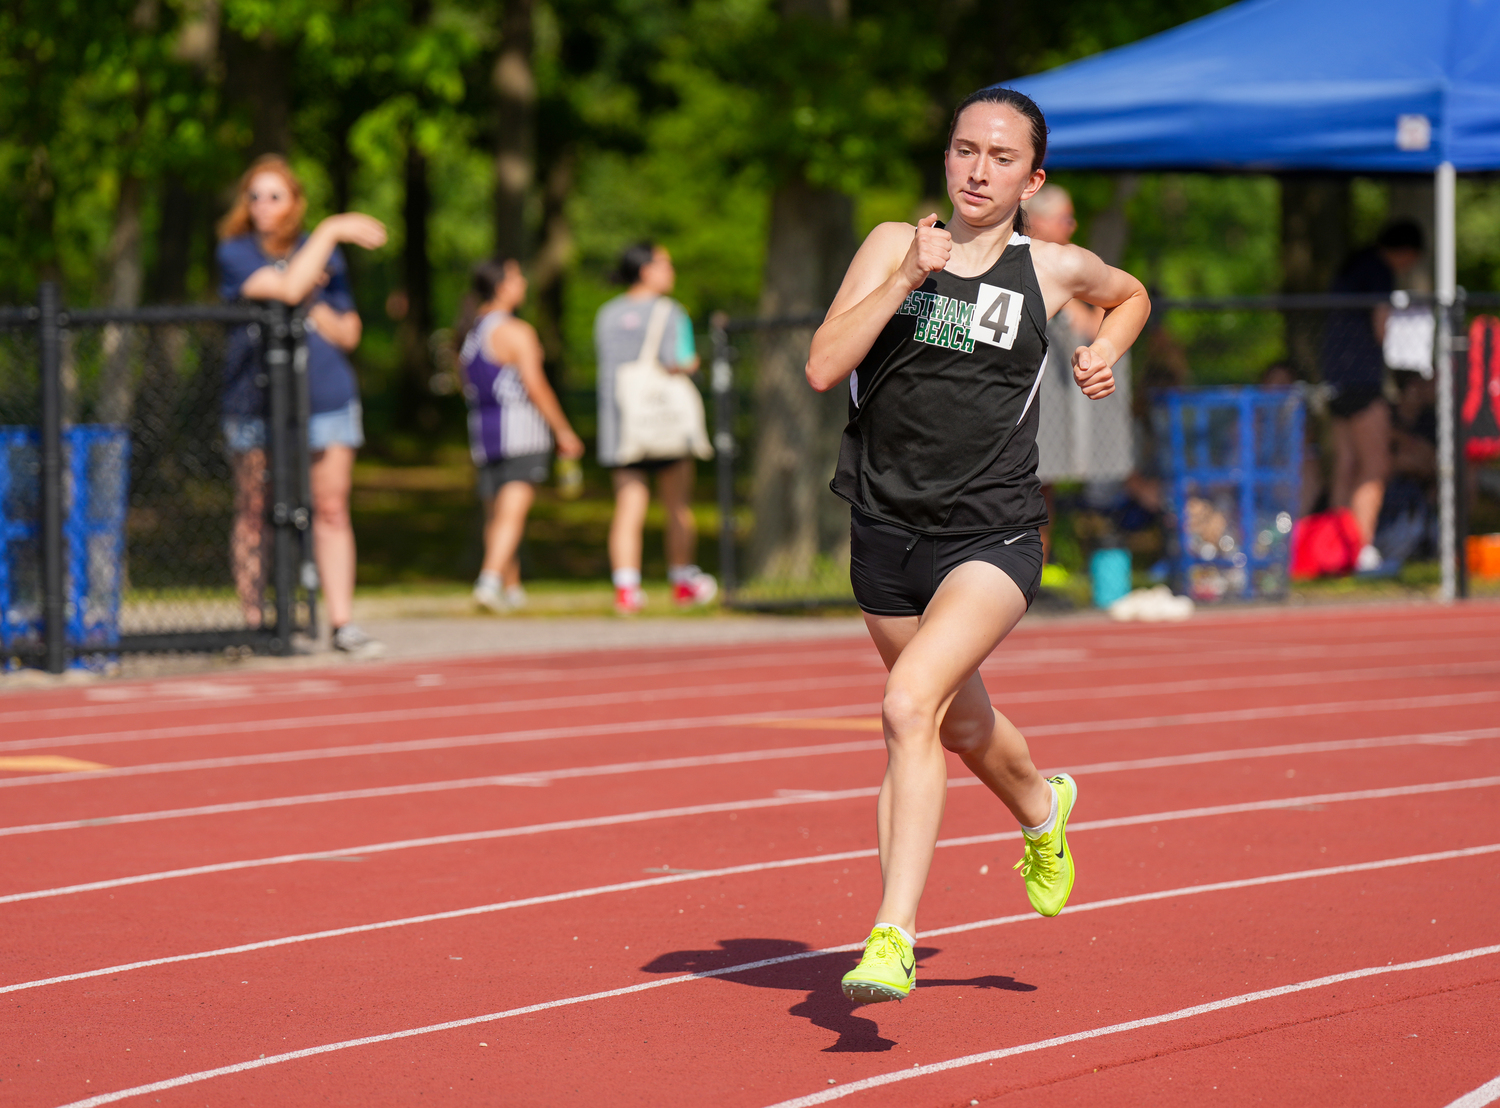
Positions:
{"x": 1487, "y": 1093}
{"x": 163, "y": 695}
{"x": 998, "y": 921}
{"x": 499, "y": 738}
{"x": 999, "y": 666}
{"x": 294, "y": 1055}
{"x": 968, "y": 840}
{"x": 838, "y": 1093}
{"x": 452, "y": 711}
{"x": 1164, "y": 761}
{"x": 1240, "y": 715}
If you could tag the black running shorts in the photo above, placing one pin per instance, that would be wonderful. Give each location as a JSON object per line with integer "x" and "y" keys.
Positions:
{"x": 895, "y": 573}
{"x": 531, "y": 468}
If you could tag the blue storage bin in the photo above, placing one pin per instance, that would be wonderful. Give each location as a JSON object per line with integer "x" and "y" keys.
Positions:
{"x": 1232, "y": 467}
{"x": 96, "y": 465}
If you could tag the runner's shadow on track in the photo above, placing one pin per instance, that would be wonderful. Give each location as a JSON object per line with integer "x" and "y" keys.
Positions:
{"x": 794, "y": 967}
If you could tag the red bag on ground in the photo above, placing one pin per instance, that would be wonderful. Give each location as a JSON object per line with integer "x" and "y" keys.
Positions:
{"x": 1325, "y": 544}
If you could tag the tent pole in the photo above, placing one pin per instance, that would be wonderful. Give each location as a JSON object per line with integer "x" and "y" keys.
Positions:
{"x": 1446, "y": 279}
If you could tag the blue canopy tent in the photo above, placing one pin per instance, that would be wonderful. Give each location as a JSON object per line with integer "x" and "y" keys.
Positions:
{"x": 1361, "y": 86}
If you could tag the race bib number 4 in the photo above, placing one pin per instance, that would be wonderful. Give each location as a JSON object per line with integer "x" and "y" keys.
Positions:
{"x": 997, "y": 316}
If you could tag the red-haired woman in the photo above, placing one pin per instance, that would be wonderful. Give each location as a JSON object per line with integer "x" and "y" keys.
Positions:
{"x": 265, "y": 255}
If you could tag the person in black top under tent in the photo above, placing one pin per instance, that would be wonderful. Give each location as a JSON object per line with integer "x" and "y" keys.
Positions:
{"x": 941, "y": 333}
{"x": 1354, "y": 370}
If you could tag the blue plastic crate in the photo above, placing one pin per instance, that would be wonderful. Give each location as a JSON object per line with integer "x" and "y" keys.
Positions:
{"x": 96, "y": 462}
{"x": 1232, "y": 463}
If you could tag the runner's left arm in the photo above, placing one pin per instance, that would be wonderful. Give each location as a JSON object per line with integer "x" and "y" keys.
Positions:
{"x": 1065, "y": 272}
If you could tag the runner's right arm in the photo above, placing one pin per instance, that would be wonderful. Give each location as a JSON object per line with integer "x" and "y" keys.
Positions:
{"x": 894, "y": 259}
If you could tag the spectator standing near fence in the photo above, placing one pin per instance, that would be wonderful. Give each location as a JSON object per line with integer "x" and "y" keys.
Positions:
{"x": 263, "y": 254}
{"x": 941, "y": 333}
{"x": 1354, "y": 370}
{"x": 620, "y": 332}
{"x": 1077, "y": 439}
{"x": 513, "y": 417}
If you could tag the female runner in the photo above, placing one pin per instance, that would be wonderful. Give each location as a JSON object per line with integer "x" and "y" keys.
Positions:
{"x": 942, "y": 334}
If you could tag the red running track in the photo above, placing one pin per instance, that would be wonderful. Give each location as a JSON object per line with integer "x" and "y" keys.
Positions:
{"x": 635, "y": 878}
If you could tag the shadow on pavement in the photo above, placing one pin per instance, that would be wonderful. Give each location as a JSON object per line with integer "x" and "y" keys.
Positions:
{"x": 818, "y": 976}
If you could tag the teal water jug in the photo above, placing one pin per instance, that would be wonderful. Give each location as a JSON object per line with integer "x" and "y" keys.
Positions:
{"x": 1109, "y": 571}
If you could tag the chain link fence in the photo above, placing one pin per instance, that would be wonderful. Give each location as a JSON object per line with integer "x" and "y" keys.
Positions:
{"x": 127, "y": 522}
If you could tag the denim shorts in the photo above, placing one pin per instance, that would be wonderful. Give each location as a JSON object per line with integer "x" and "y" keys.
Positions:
{"x": 340, "y": 427}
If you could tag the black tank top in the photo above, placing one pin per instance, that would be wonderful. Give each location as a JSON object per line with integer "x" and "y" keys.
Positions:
{"x": 942, "y": 426}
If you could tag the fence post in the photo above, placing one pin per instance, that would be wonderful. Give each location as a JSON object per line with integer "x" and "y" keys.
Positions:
{"x": 283, "y": 477}
{"x": 723, "y": 387}
{"x": 302, "y": 514}
{"x": 54, "y": 597}
{"x": 1455, "y": 323}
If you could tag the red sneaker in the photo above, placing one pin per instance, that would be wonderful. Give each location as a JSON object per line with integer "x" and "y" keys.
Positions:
{"x": 629, "y": 599}
{"x": 700, "y": 588}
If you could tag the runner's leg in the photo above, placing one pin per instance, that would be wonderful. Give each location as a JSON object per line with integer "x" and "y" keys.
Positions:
{"x": 933, "y": 662}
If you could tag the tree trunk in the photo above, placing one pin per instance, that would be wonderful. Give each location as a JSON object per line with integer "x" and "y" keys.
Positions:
{"x": 126, "y": 280}
{"x": 515, "y": 132}
{"x": 1109, "y": 233}
{"x": 416, "y": 324}
{"x": 1314, "y": 243}
{"x": 549, "y": 269}
{"x": 797, "y": 430}
{"x": 257, "y": 74}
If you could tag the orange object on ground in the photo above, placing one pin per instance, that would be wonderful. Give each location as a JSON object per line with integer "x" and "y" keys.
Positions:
{"x": 1483, "y": 552}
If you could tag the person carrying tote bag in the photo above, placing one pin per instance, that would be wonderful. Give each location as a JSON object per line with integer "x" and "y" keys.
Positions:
{"x": 661, "y": 412}
{"x": 650, "y": 424}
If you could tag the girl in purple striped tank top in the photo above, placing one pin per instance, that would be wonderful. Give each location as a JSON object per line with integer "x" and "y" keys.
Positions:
{"x": 514, "y": 417}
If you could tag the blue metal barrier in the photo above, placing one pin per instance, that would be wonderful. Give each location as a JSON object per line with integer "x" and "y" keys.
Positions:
{"x": 97, "y": 461}
{"x": 1232, "y": 462}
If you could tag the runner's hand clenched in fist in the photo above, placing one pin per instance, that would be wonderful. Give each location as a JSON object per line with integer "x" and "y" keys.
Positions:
{"x": 1092, "y": 373}
{"x": 929, "y": 251}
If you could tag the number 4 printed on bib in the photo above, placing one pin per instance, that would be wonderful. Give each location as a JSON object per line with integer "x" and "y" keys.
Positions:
{"x": 997, "y": 316}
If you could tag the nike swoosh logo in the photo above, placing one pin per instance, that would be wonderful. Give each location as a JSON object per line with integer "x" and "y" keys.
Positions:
{"x": 1013, "y": 538}
{"x": 909, "y": 968}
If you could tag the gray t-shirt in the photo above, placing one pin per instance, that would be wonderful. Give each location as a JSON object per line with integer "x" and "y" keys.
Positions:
{"x": 619, "y": 332}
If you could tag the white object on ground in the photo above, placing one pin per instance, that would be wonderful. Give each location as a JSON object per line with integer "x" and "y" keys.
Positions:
{"x": 1153, "y": 605}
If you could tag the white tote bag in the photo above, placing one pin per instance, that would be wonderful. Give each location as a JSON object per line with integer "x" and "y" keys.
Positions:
{"x": 661, "y": 412}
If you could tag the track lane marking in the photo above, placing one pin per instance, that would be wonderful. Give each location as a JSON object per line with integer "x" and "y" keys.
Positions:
{"x": 450, "y": 711}
{"x": 289, "y": 1056}
{"x": 1159, "y": 762}
{"x": 1241, "y": 715}
{"x": 513, "y": 832}
{"x": 998, "y": 666}
{"x": 838, "y": 1093}
{"x": 750, "y": 867}
{"x": 1487, "y": 1093}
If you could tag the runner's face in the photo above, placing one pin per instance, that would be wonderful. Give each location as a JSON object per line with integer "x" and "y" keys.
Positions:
{"x": 270, "y": 202}
{"x": 989, "y": 164}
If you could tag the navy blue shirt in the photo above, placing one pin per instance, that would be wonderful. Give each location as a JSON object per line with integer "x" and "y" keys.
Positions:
{"x": 1352, "y": 355}
{"x": 330, "y": 378}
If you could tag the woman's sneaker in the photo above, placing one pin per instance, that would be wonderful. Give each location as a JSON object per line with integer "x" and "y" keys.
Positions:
{"x": 1047, "y": 865}
{"x": 349, "y": 639}
{"x": 694, "y": 586}
{"x": 887, "y": 971}
{"x": 629, "y": 599}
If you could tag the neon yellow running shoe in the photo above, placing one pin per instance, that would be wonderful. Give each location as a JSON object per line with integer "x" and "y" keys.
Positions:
{"x": 1047, "y": 865}
{"x": 886, "y": 972}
